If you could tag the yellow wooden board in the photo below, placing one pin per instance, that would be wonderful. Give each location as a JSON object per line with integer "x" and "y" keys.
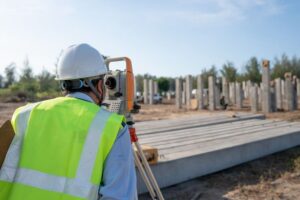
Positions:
{"x": 150, "y": 153}
{"x": 6, "y": 136}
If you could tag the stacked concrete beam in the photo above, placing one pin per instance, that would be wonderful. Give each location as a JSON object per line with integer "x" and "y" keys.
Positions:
{"x": 278, "y": 91}
{"x": 188, "y": 81}
{"x": 254, "y": 98}
{"x": 266, "y": 98}
{"x": 238, "y": 92}
{"x": 200, "y": 92}
{"x": 225, "y": 89}
{"x": 248, "y": 88}
{"x": 151, "y": 92}
{"x": 178, "y": 93}
{"x": 146, "y": 91}
{"x": 289, "y": 103}
{"x": 211, "y": 93}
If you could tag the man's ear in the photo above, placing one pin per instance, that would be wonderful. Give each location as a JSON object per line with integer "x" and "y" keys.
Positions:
{"x": 99, "y": 87}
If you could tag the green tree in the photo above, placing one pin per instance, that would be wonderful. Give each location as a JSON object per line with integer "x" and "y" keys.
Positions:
{"x": 10, "y": 73}
{"x": 139, "y": 82}
{"x": 27, "y": 87}
{"x": 47, "y": 82}
{"x": 206, "y": 73}
{"x": 229, "y": 71}
{"x": 284, "y": 64}
{"x": 253, "y": 70}
{"x": 1, "y": 81}
{"x": 163, "y": 84}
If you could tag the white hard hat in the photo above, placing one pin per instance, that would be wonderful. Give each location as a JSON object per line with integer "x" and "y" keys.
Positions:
{"x": 80, "y": 61}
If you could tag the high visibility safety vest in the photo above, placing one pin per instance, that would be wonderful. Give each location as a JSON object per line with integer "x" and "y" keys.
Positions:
{"x": 59, "y": 150}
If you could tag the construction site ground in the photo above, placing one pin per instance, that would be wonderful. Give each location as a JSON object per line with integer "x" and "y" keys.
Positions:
{"x": 273, "y": 177}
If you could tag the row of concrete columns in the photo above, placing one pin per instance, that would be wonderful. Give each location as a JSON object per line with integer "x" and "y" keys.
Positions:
{"x": 281, "y": 95}
{"x": 150, "y": 88}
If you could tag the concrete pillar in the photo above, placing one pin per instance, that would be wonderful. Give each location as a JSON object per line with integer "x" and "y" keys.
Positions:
{"x": 178, "y": 93}
{"x": 184, "y": 93}
{"x": 294, "y": 86}
{"x": 155, "y": 87}
{"x": 211, "y": 93}
{"x": 278, "y": 92}
{"x": 217, "y": 96}
{"x": 273, "y": 97}
{"x": 248, "y": 88}
{"x": 188, "y": 84}
{"x": 283, "y": 88}
{"x": 266, "y": 98}
{"x": 232, "y": 93}
{"x": 254, "y": 98}
{"x": 169, "y": 96}
{"x": 200, "y": 92}
{"x": 238, "y": 92}
{"x": 225, "y": 89}
{"x": 151, "y": 92}
{"x": 289, "y": 103}
{"x": 298, "y": 92}
{"x": 259, "y": 92}
{"x": 244, "y": 89}
{"x": 146, "y": 91}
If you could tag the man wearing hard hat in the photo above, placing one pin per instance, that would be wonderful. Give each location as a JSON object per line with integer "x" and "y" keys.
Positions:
{"x": 70, "y": 148}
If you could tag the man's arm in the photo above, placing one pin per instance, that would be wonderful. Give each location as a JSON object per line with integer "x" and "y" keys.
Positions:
{"x": 119, "y": 178}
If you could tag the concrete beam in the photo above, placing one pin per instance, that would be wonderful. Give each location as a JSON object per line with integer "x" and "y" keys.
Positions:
{"x": 298, "y": 92}
{"x": 225, "y": 89}
{"x": 279, "y": 100}
{"x": 151, "y": 92}
{"x": 200, "y": 97}
{"x": 211, "y": 93}
{"x": 266, "y": 98}
{"x": 188, "y": 81}
{"x": 146, "y": 91}
{"x": 254, "y": 98}
{"x": 178, "y": 93}
{"x": 289, "y": 101}
{"x": 238, "y": 91}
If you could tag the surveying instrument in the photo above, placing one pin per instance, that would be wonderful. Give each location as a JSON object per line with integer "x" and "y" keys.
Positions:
{"x": 119, "y": 98}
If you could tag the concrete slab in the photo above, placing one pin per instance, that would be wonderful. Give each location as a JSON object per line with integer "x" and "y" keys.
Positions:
{"x": 212, "y": 143}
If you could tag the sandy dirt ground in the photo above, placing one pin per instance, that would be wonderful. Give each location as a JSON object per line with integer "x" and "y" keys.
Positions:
{"x": 274, "y": 177}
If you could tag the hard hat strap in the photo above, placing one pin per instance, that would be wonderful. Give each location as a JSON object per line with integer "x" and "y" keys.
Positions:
{"x": 90, "y": 84}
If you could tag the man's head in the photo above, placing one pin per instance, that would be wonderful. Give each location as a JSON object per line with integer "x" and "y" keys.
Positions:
{"x": 81, "y": 68}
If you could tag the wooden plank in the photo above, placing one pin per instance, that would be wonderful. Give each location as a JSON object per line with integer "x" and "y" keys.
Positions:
{"x": 6, "y": 137}
{"x": 151, "y": 153}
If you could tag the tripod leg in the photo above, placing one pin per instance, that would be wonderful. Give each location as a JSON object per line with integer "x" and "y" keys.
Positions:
{"x": 148, "y": 171}
{"x": 144, "y": 176}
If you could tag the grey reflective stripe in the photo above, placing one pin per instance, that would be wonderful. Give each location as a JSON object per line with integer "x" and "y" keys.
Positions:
{"x": 92, "y": 142}
{"x": 10, "y": 165}
{"x": 79, "y": 186}
{"x": 54, "y": 183}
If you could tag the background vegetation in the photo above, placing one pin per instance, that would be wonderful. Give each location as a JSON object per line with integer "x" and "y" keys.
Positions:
{"x": 27, "y": 86}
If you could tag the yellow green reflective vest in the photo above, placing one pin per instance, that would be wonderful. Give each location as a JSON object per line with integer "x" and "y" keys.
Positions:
{"x": 59, "y": 150}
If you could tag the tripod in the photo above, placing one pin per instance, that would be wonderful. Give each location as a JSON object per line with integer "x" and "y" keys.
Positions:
{"x": 144, "y": 168}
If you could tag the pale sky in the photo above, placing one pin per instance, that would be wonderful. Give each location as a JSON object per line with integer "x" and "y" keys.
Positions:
{"x": 164, "y": 38}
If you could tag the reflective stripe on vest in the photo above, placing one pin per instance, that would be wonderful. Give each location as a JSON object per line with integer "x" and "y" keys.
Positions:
{"x": 81, "y": 185}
